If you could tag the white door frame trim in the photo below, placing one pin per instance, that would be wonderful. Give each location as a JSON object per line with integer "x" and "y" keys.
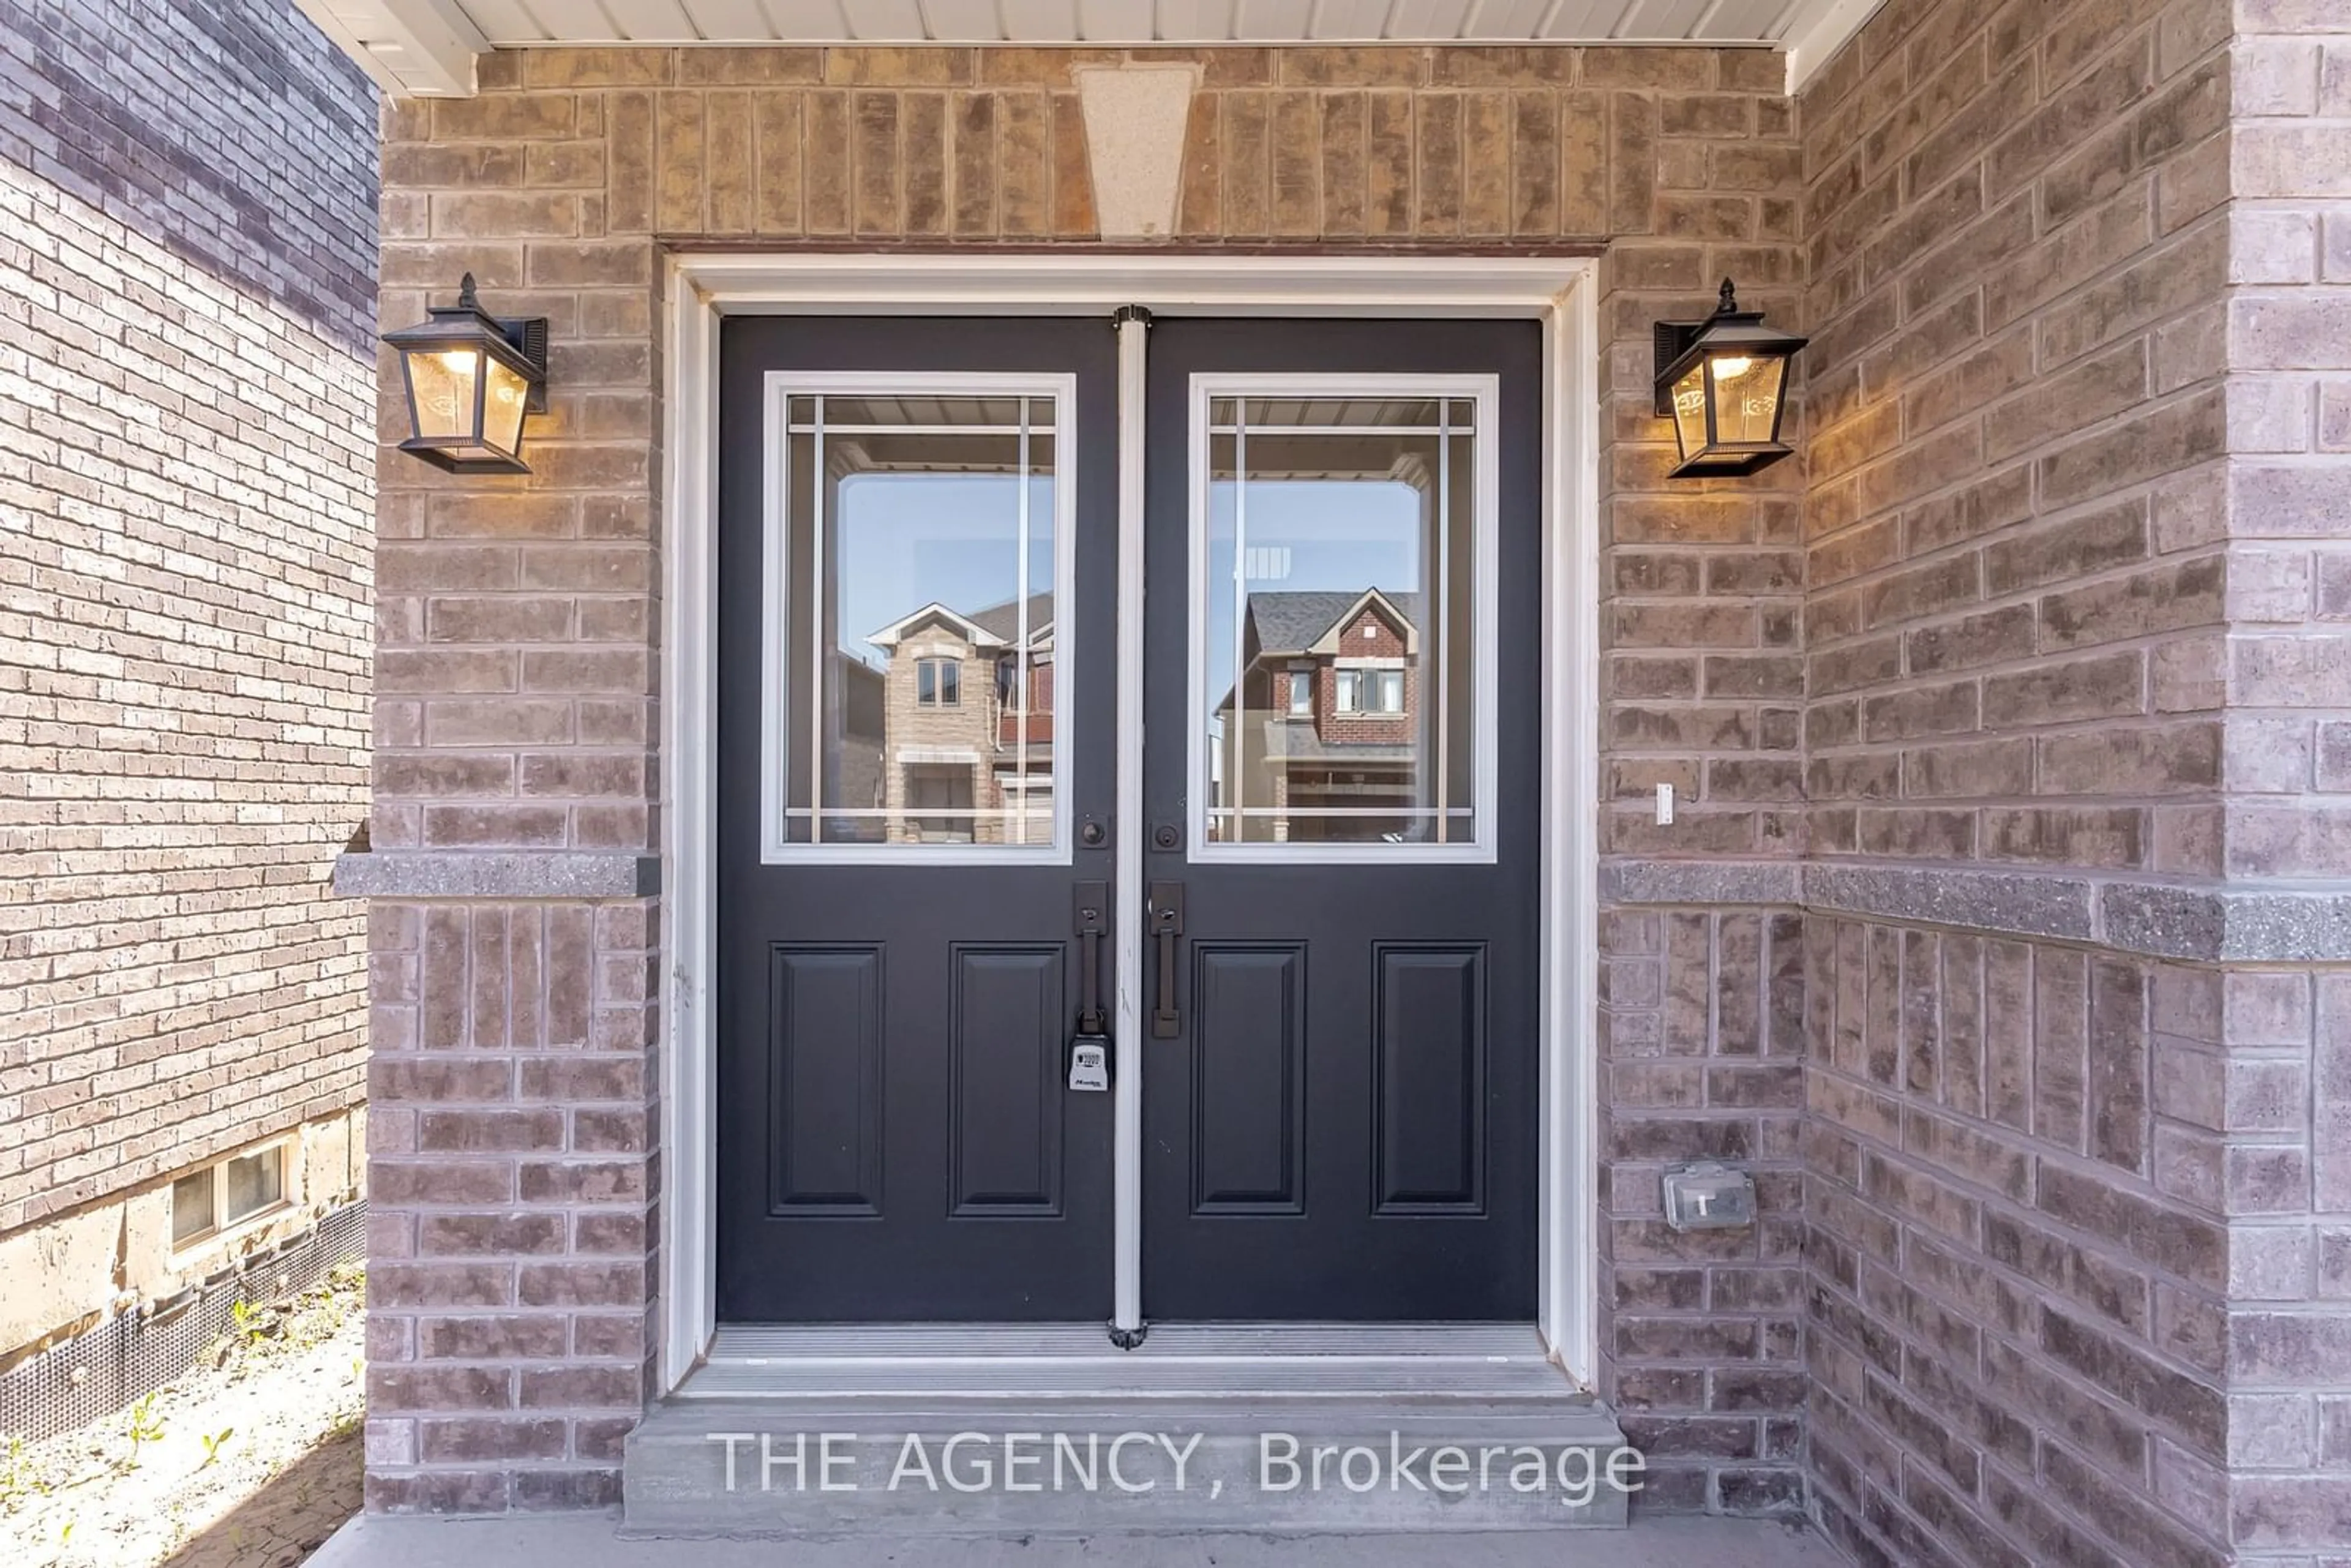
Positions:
{"x": 1559, "y": 292}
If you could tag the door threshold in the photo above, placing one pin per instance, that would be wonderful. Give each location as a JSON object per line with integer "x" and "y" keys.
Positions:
{"x": 1226, "y": 1395}
{"x": 1484, "y": 1361}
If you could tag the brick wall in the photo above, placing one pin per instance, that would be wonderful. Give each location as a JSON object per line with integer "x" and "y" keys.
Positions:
{"x": 231, "y": 134}
{"x": 1702, "y": 1044}
{"x": 1702, "y": 682}
{"x": 2017, "y": 238}
{"x": 1369, "y": 638}
{"x": 2073, "y": 1298}
{"x": 2017, "y": 1289}
{"x": 185, "y": 477}
{"x": 517, "y": 666}
{"x": 2256, "y": 1065}
{"x": 2067, "y": 630}
{"x": 2286, "y": 1036}
{"x": 510, "y": 1219}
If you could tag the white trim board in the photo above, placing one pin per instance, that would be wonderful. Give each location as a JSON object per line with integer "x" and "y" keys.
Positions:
{"x": 1560, "y": 293}
{"x": 428, "y": 47}
{"x": 1816, "y": 32}
{"x": 1126, "y": 936}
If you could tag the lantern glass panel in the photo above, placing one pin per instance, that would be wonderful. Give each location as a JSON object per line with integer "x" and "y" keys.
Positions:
{"x": 502, "y": 410}
{"x": 1745, "y": 396}
{"x": 443, "y": 382}
{"x": 1689, "y": 411}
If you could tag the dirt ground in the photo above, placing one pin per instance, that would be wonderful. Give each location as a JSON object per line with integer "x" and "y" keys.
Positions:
{"x": 250, "y": 1461}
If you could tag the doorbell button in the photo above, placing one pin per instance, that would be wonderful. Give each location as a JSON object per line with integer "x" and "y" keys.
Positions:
{"x": 1705, "y": 1195}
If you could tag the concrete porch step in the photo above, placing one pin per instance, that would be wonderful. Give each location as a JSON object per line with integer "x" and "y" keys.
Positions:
{"x": 593, "y": 1541}
{"x": 1274, "y": 1464}
{"x": 1048, "y": 1430}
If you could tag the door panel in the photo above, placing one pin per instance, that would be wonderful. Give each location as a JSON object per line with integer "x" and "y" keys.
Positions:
{"x": 1341, "y": 718}
{"x": 1429, "y": 1064}
{"x": 824, "y": 1073}
{"x": 1010, "y": 1026}
{"x": 917, "y": 526}
{"x": 1248, "y": 1079}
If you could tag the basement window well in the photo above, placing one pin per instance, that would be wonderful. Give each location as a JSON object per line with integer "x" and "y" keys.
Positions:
{"x": 227, "y": 1193}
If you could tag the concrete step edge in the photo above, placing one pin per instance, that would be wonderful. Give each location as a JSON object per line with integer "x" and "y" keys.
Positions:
{"x": 757, "y": 1467}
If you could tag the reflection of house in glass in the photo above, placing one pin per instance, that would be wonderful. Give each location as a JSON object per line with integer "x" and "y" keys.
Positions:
{"x": 1330, "y": 739}
{"x": 963, "y": 742}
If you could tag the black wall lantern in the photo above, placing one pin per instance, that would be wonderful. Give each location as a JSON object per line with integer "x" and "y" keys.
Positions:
{"x": 471, "y": 379}
{"x": 1722, "y": 382}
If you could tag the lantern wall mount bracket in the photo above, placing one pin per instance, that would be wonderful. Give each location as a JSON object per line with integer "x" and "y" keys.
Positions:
{"x": 1671, "y": 340}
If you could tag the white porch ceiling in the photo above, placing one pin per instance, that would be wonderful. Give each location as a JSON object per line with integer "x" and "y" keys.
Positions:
{"x": 428, "y": 47}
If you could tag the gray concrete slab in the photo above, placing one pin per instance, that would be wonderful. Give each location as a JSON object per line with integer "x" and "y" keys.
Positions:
{"x": 593, "y": 1541}
{"x": 694, "y": 1467}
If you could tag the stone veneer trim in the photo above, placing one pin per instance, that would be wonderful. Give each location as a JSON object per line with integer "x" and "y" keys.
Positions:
{"x": 467, "y": 874}
{"x": 1701, "y": 882}
{"x": 2235, "y": 924}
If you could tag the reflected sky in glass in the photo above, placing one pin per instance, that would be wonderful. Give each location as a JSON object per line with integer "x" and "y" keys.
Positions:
{"x": 907, "y": 541}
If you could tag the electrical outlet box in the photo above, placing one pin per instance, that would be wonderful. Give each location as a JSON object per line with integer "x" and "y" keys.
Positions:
{"x": 1705, "y": 1195}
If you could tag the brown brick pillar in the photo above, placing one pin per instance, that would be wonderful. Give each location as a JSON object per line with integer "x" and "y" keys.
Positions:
{"x": 514, "y": 925}
{"x": 511, "y": 1225}
{"x": 1702, "y": 1026}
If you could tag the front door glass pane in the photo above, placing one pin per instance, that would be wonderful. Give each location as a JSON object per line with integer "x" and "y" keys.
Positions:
{"x": 917, "y": 638}
{"x": 1335, "y": 657}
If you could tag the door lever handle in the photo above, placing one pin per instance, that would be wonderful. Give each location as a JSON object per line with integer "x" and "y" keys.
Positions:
{"x": 1166, "y": 925}
{"x": 1091, "y": 910}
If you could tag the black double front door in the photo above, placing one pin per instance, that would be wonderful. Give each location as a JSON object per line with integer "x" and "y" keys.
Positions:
{"x": 919, "y": 739}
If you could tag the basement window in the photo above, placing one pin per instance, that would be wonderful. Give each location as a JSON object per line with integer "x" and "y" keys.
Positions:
{"x": 227, "y": 1193}
{"x": 192, "y": 1208}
